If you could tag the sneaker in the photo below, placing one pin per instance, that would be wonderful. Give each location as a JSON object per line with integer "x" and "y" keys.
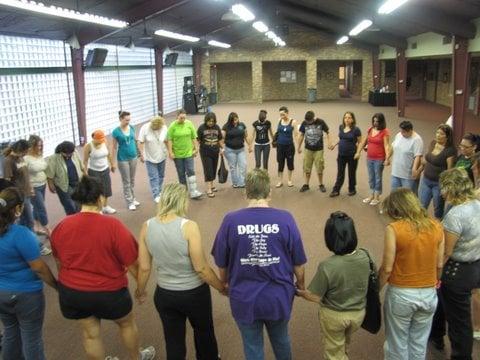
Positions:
{"x": 132, "y": 207}
{"x": 157, "y": 199}
{"x": 334, "y": 193}
{"x": 304, "y": 188}
{"x": 45, "y": 250}
{"x": 322, "y": 188}
{"x": 352, "y": 193}
{"x": 108, "y": 210}
{"x": 147, "y": 353}
{"x": 135, "y": 202}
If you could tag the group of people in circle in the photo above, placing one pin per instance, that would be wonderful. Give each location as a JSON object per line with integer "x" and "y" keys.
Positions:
{"x": 430, "y": 264}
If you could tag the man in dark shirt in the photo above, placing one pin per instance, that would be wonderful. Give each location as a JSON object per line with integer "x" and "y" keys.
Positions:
{"x": 311, "y": 130}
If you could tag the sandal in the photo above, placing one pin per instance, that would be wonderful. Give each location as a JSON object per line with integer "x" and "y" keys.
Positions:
{"x": 374, "y": 202}
{"x": 214, "y": 189}
{"x": 290, "y": 184}
{"x": 279, "y": 185}
{"x": 210, "y": 194}
{"x": 367, "y": 200}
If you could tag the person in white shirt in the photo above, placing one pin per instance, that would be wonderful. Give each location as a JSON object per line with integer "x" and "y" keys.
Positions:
{"x": 98, "y": 162}
{"x": 152, "y": 142}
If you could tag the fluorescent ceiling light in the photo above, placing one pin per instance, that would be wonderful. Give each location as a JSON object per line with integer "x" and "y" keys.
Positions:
{"x": 177, "y": 36}
{"x": 219, "y": 44}
{"x": 62, "y": 12}
{"x": 260, "y": 26}
{"x": 364, "y": 24}
{"x": 390, "y": 5}
{"x": 242, "y": 12}
{"x": 342, "y": 40}
{"x": 271, "y": 35}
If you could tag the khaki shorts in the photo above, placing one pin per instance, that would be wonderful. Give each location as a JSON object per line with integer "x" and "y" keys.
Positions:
{"x": 311, "y": 158}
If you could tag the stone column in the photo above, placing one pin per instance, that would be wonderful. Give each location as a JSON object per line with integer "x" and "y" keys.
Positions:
{"x": 257, "y": 81}
{"x": 205, "y": 73}
{"x": 311, "y": 74}
{"x": 461, "y": 66}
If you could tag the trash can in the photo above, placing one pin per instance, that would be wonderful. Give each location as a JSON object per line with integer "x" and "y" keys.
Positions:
{"x": 312, "y": 95}
{"x": 212, "y": 98}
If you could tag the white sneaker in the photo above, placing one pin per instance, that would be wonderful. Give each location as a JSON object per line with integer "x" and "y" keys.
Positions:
{"x": 135, "y": 202}
{"x": 195, "y": 194}
{"x": 132, "y": 207}
{"x": 147, "y": 353}
{"x": 157, "y": 199}
{"x": 45, "y": 250}
{"x": 108, "y": 210}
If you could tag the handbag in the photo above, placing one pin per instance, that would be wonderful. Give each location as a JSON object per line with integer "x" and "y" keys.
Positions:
{"x": 373, "y": 310}
{"x": 222, "y": 172}
{"x": 275, "y": 139}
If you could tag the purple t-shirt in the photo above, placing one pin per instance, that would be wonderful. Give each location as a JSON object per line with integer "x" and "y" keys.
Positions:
{"x": 259, "y": 247}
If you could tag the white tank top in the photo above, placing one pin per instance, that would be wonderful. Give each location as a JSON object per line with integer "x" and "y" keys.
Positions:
{"x": 98, "y": 160}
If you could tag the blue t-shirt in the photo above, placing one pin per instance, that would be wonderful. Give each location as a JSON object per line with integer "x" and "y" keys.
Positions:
{"x": 347, "y": 146}
{"x": 127, "y": 148}
{"x": 18, "y": 246}
{"x": 259, "y": 247}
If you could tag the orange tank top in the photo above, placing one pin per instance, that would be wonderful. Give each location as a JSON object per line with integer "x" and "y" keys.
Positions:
{"x": 415, "y": 263}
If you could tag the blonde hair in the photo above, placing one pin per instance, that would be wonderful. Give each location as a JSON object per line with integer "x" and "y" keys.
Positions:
{"x": 456, "y": 186}
{"x": 174, "y": 199}
{"x": 257, "y": 184}
{"x": 157, "y": 121}
{"x": 403, "y": 204}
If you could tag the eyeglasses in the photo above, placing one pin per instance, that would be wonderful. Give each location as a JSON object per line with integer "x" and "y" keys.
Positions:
{"x": 465, "y": 146}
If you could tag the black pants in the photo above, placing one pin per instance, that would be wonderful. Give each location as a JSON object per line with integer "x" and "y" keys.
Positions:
{"x": 259, "y": 150}
{"x": 175, "y": 307}
{"x": 285, "y": 153}
{"x": 342, "y": 162}
{"x": 458, "y": 281}
{"x": 209, "y": 156}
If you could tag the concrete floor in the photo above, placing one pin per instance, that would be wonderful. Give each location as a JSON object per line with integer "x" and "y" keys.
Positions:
{"x": 311, "y": 209}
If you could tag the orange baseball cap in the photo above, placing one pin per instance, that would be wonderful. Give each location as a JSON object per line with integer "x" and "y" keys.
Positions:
{"x": 98, "y": 135}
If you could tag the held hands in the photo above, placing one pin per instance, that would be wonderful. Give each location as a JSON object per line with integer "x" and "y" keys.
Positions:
{"x": 112, "y": 168}
{"x": 299, "y": 150}
{"x": 140, "y": 296}
{"x": 194, "y": 152}
{"x": 224, "y": 291}
{"x": 250, "y": 149}
{"x": 171, "y": 155}
{"x": 142, "y": 159}
{"x": 357, "y": 156}
{"x": 386, "y": 162}
{"x": 331, "y": 146}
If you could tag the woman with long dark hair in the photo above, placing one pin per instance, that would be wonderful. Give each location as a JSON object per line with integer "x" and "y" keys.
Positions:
{"x": 260, "y": 137}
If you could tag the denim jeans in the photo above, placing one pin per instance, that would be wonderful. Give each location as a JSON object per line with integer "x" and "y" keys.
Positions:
{"x": 127, "y": 171}
{"x": 156, "y": 174}
{"x": 68, "y": 204}
{"x": 259, "y": 150}
{"x": 397, "y": 182}
{"x": 375, "y": 173}
{"x": 185, "y": 168}
{"x": 431, "y": 190}
{"x": 26, "y": 219}
{"x": 237, "y": 162}
{"x": 22, "y": 315}
{"x": 38, "y": 203}
{"x": 408, "y": 316}
{"x": 252, "y": 337}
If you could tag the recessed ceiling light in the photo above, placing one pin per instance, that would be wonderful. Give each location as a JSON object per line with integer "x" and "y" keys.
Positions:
{"x": 242, "y": 12}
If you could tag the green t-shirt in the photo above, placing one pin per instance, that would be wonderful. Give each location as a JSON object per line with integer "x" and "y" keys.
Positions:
{"x": 342, "y": 281}
{"x": 181, "y": 136}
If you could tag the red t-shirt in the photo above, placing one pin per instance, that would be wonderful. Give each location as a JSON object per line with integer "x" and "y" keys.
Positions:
{"x": 376, "y": 147}
{"x": 94, "y": 252}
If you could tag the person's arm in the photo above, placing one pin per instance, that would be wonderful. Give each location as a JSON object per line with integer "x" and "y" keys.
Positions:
{"x": 417, "y": 167}
{"x": 271, "y": 132}
{"x": 247, "y": 140}
{"x": 450, "y": 241}
{"x": 440, "y": 256}
{"x": 113, "y": 151}
{"x": 296, "y": 133}
{"x": 200, "y": 265}
{"x": 144, "y": 265}
{"x": 86, "y": 155}
{"x": 299, "y": 272}
{"x": 309, "y": 296}
{"x": 170, "y": 149}
{"x": 387, "y": 147}
{"x": 252, "y": 139}
{"x": 389, "y": 252}
{"x": 360, "y": 146}
{"x": 110, "y": 160}
{"x": 450, "y": 162}
{"x": 43, "y": 271}
{"x": 50, "y": 172}
{"x": 301, "y": 136}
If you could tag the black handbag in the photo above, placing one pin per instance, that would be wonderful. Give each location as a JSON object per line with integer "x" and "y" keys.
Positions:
{"x": 275, "y": 139}
{"x": 373, "y": 311}
{"x": 222, "y": 172}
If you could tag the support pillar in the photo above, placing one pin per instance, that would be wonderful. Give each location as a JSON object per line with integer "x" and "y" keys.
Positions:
{"x": 460, "y": 71}
{"x": 197, "y": 68}
{"x": 79, "y": 88}
{"x": 257, "y": 81}
{"x": 159, "y": 77}
{"x": 376, "y": 70}
{"x": 311, "y": 76}
{"x": 401, "y": 74}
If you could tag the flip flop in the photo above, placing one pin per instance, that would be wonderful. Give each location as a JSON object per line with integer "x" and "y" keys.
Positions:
{"x": 210, "y": 194}
{"x": 367, "y": 200}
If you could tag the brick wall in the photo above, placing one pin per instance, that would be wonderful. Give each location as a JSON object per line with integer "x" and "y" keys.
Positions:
{"x": 234, "y": 81}
{"x": 273, "y": 89}
{"x": 327, "y": 80}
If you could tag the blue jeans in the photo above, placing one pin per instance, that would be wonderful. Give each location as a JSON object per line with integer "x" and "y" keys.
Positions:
{"x": 237, "y": 162}
{"x": 375, "y": 173}
{"x": 185, "y": 168}
{"x": 156, "y": 174}
{"x": 252, "y": 336}
{"x": 68, "y": 204}
{"x": 431, "y": 190}
{"x": 26, "y": 219}
{"x": 408, "y": 316}
{"x": 22, "y": 316}
{"x": 38, "y": 203}
{"x": 397, "y": 182}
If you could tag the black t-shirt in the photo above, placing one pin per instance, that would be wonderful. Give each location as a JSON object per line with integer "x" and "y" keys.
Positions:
{"x": 313, "y": 132}
{"x": 209, "y": 136}
{"x": 261, "y": 131}
{"x": 234, "y": 135}
{"x": 347, "y": 146}
{"x": 436, "y": 164}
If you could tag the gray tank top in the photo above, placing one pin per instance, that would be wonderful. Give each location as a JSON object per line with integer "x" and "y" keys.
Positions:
{"x": 169, "y": 250}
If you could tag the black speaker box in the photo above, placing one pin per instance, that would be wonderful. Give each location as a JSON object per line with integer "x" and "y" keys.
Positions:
{"x": 96, "y": 57}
